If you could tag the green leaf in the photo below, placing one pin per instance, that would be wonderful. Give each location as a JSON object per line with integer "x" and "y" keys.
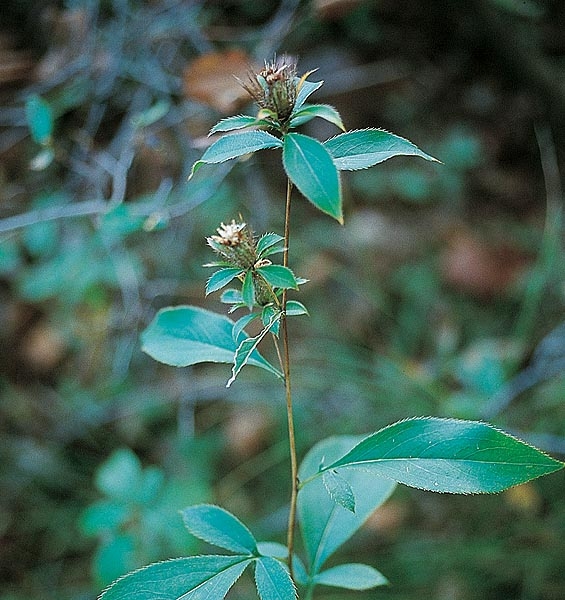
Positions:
{"x": 266, "y": 241}
{"x": 232, "y": 297}
{"x": 267, "y": 315}
{"x": 120, "y": 476}
{"x": 233, "y": 123}
{"x": 295, "y": 308}
{"x": 39, "y": 119}
{"x": 278, "y": 276}
{"x": 353, "y": 576}
{"x": 307, "y": 88}
{"x": 237, "y": 144}
{"x": 187, "y": 335}
{"x": 326, "y": 526}
{"x": 363, "y": 148}
{"x": 273, "y": 580}
{"x": 339, "y": 490}
{"x": 242, "y": 323}
{"x": 449, "y": 455}
{"x": 248, "y": 290}
{"x": 219, "y": 527}
{"x": 310, "y": 111}
{"x": 274, "y": 549}
{"x": 192, "y": 578}
{"x": 246, "y": 349}
{"x": 151, "y": 115}
{"x": 221, "y": 278}
{"x": 311, "y": 168}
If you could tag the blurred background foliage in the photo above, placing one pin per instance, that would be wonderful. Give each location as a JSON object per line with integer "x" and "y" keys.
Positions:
{"x": 442, "y": 295}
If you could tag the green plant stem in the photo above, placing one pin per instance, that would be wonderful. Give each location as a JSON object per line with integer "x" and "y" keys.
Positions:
{"x": 288, "y": 393}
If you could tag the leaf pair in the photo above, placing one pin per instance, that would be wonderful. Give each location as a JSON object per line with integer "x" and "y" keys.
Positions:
{"x": 208, "y": 577}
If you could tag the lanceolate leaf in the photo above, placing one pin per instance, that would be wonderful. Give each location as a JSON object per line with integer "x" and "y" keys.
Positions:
{"x": 247, "y": 348}
{"x": 233, "y": 123}
{"x": 307, "y": 88}
{"x": 310, "y": 111}
{"x": 278, "y": 276}
{"x": 182, "y": 578}
{"x": 448, "y": 455}
{"x": 266, "y": 241}
{"x": 248, "y": 290}
{"x": 363, "y": 148}
{"x": 324, "y": 524}
{"x": 237, "y": 144}
{"x": 273, "y": 580}
{"x": 219, "y": 527}
{"x": 353, "y": 576}
{"x": 221, "y": 278}
{"x": 311, "y": 168}
{"x": 187, "y": 335}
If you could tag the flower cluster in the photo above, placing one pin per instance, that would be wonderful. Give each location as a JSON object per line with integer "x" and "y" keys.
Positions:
{"x": 275, "y": 87}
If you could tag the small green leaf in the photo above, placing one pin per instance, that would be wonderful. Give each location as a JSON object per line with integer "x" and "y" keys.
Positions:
{"x": 241, "y": 324}
{"x": 353, "y": 576}
{"x": 120, "y": 476}
{"x": 221, "y": 278}
{"x": 295, "y": 308}
{"x": 339, "y": 490}
{"x": 363, "y": 148}
{"x": 268, "y": 315}
{"x": 39, "y": 119}
{"x": 187, "y": 335}
{"x": 310, "y": 111}
{"x": 192, "y": 578}
{"x": 449, "y": 455}
{"x": 273, "y": 580}
{"x": 246, "y": 349}
{"x": 273, "y": 549}
{"x": 325, "y": 526}
{"x": 307, "y": 88}
{"x": 278, "y": 276}
{"x": 234, "y": 145}
{"x": 219, "y": 527}
{"x": 233, "y": 123}
{"x": 311, "y": 168}
{"x": 232, "y": 297}
{"x": 248, "y": 290}
{"x": 151, "y": 115}
{"x": 266, "y": 242}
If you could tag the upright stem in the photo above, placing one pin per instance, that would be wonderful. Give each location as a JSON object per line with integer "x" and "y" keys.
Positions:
{"x": 286, "y": 371}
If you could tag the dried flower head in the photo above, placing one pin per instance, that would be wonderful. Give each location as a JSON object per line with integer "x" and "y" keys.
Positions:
{"x": 231, "y": 234}
{"x": 274, "y": 88}
{"x": 235, "y": 243}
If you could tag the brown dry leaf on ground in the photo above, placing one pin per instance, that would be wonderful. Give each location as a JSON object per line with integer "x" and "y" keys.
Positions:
{"x": 473, "y": 266}
{"x": 211, "y": 79}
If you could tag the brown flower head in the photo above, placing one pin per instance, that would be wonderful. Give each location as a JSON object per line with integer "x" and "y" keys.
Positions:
{"x": 235, "y": 243}
{"x": 274, "y": 88}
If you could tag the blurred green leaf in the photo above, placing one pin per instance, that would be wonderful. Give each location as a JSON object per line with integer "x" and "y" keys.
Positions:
{"x": 39, "y": 117}
{"x": 447, "y": 455}
{"x": 310, "y": 167}
{"x": 219, "y": 527}
{"x": 353, "y": 576}
{"x": 120, "y": 476}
